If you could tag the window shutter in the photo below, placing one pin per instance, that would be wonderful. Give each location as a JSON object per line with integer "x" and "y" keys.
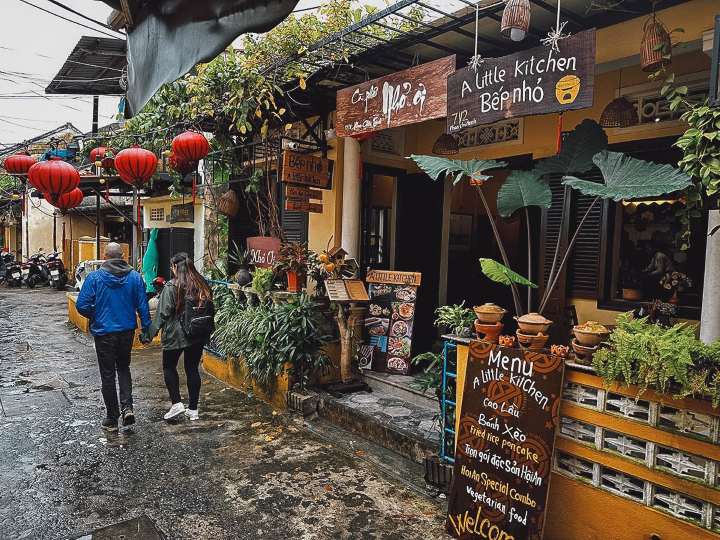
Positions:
{"x": 585, "y": 258}
{"x": 295, "y": 226}
{"x": 552, "y": 218}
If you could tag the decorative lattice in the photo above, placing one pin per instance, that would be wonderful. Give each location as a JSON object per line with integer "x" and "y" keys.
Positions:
{"x": 574, "y": 467}
{"x": 577, "y": 430}
{"x": 622, "y": 484}
{"x": 683, "y": 421}
{"x": 499, "y": 132}
{"x": 623, "y": 444}
{"x": 682, "y": 464}
{"x": 679, "y": 505}
{"x": 628, "y": 407}
{"x": 582, "y": 395}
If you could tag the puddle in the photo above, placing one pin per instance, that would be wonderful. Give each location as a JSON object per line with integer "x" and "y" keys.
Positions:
{"x": 141, "y": 528}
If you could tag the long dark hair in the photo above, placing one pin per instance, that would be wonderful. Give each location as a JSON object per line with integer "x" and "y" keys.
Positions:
{"x": 189, "y": 282}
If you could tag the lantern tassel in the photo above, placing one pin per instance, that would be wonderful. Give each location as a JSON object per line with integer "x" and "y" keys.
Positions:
{"x": 558, "y": 143}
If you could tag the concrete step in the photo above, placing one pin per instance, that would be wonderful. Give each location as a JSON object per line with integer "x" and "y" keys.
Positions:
{"x": 400, "y": 386}
{"x": 404, "y": 427}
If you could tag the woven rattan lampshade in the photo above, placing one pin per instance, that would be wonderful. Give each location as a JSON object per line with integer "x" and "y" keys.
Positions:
{"x": 446, "y": 145}
{"x": 619, "y": 113}
{"x": 516, "y": 19}
{"x": 655, "y": 47}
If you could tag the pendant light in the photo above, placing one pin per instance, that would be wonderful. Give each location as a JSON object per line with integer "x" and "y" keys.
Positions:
{"x": 516, "y": 19}
{"x": 619, "y": 113}
{"x": 446, "y": 145}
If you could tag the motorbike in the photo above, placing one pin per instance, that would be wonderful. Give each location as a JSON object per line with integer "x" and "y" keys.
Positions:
{"x": 35, "y": 271}
{"x": 56, "y": 268}
{"x": 10, "y": 270}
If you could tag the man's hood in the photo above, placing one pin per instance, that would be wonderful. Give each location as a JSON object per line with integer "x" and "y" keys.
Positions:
{"x": 114, "y": 273}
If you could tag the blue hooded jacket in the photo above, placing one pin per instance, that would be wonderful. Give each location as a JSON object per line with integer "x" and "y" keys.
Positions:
{"x": 111, "y": 296}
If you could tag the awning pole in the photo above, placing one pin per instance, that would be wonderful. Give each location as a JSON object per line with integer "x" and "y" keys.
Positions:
{"x": 135, "y": 235}
{"x": 97, "y": 225}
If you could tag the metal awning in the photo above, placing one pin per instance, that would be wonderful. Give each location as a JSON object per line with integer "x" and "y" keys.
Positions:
{"x": 95, "y": 67}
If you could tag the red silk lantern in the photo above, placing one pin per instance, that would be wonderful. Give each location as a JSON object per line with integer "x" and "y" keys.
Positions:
{"x": 135, "y": 165}
{"x": 181, "y": 165}
{"x": 190, "y": 146}
{"x": 97, "y": 154}
{"x": 53, "y": 178}
{"x": 66, "y": 201}
{"x": 18, "y": 163}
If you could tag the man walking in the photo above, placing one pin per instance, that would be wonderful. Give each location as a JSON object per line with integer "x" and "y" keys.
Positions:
{"x": 111, "y": 297}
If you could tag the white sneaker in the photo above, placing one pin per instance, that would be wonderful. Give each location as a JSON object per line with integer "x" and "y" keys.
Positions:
{"x": 192, "y": 414}
{"x": 175, "y": 410}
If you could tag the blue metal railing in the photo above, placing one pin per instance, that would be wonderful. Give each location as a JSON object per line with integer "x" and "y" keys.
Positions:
{"x": 449, "y": 377}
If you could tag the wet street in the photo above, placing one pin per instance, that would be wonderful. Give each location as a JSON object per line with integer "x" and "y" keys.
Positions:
{"x": 239, "y": 472}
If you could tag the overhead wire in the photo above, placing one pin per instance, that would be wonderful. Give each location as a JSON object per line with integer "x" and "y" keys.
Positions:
{"x": 69, "y": 20}
{"x": 67, "y": 8}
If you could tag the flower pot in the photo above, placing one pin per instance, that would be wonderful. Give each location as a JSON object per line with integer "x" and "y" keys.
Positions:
{"x": 489, "y": 332}
{"x": 533, "y": 324}
{"x": 674, "y": 298}
{"x": 295, "y": 281}
{"x": 589, "y": 339}
{"x": 531, "y": 341}
{"x": 506, "y": 341}
{"x": 583, "y": 354}
{"x": 633, "y": 295}
{"x": 489, "y": 313}
{"x": 243, "y": 276}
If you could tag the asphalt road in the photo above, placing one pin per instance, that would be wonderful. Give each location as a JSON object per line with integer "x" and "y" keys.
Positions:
{"x": 240, "y": 472}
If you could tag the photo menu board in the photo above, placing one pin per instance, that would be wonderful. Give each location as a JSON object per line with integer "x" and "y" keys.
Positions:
{"x": 389, "y": 326}
{"x": 505, "y": 439}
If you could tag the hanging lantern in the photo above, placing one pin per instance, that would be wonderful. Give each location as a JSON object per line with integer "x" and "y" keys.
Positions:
{"x": 516, "y": 19}
{"x": 446, "y": 145}
{"x": 619, "y": 113}
{"x": 18, "y": 163}
{"x": 181, "y": 165}
{"x": 66, "y": 201}
{"x": 53, "y": 178}
{"x": 101, "y": 154}
{"x": 656, "y": 46}
{"x": 190, "y": 146}
{"x": 96, "y": 154}
{"x": 135, "y": 165}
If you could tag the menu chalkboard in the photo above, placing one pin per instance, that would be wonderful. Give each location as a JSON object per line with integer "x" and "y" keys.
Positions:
{"x": 510, "y": 409}
{"x": 389, "y": 326}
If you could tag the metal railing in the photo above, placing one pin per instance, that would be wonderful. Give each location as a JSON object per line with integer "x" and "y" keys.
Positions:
{"x": 447, "y": 404}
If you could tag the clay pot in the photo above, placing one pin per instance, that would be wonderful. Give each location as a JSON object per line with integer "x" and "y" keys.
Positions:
{"x": 589, "y": 339}
{"x": 533, "y": 324}
{"x": 531, "y": 341}
{"x": 489, "y": 332}
{"x": 560, "y": 350}
{"x": 506, "y": 341}
{"x": 295, "y": 281}
{"x": 583, "y": 354}
{"x": 489, "y": 313}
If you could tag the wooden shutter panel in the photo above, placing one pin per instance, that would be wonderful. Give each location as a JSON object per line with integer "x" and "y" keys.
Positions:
{"x": 585, "y": 258}
{"x": 295, "y": 226}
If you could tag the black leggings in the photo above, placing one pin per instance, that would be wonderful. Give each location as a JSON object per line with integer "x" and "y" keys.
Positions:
{"x": 191, "y": 358}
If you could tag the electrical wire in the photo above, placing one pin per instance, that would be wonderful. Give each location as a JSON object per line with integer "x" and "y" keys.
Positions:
{"x": 69, "y": 20}
{"x": 99, "y": 23}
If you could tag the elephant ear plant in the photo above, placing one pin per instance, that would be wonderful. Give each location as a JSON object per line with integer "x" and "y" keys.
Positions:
{"x": 624, "y": 178}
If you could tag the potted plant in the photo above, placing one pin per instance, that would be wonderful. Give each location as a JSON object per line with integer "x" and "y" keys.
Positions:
{"x": 293, "y": 259}
{"x": 675, "y": 282}
{"x": 457, "y": 319}
{"x": 240, "y": 258}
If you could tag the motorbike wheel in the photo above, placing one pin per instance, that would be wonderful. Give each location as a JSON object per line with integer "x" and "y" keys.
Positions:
{"x": 31, "y": 282}
{"x": 60, "y": 283}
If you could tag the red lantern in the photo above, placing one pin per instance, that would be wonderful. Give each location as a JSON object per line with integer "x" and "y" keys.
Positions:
{"x": 53, "y": 178}
{"x": 190, "y": 146}
{"x": 181, "y": 165}
{"x": 135, "y": 165}
{"x": 96, "y": 154}
{"x": 68, "y": 200}
{"x": 18, "y": 163}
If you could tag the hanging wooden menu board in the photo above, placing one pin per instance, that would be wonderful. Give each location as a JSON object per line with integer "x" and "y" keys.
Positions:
{"x": 536, "y": 81}
{"x": 302, "y": 206}
{"x": 505, "y": 438}
{"x": 406, "y": 97}
{"x": 305, "y": 169}
{"x": 391, "y": 313}
{"x": 346, "y": 290}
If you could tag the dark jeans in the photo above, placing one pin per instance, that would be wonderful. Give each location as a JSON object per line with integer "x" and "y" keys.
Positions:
{"x": 113, "y": 352}
{"x": 191, "y": 357}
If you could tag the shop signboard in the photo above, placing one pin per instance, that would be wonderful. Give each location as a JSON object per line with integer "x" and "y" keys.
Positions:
{"x": 715, "y": 66}
{"x": 537, "y": 81}
{"x": 505, "y": 438}
{"x": 305, "y": 169}
{"x": 406, "y": 97}
{"x": 182, "y": 213}
{"x": 263, "y": 250}
{"x": 389, "y": 326}
{"x": 294, "y": 205}
{"x": 301, "y": 192}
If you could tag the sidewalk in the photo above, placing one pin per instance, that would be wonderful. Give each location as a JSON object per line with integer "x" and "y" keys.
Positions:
{"x": 240, "y": 472}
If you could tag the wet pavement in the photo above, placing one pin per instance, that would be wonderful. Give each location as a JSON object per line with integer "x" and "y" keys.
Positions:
{"x": 241, "y": 472}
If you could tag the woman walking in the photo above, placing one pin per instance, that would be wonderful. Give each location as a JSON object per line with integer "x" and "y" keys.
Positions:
{"x": 184, "y": 315}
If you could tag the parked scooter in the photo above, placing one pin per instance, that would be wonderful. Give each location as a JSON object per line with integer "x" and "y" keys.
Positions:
{"x": 56, "y": 268}
{"x": 10, "y": 270}
{"x": 35, "y": 271}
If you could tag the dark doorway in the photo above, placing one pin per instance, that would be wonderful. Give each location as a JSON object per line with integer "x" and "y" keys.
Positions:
{"x": 171, "y": 241}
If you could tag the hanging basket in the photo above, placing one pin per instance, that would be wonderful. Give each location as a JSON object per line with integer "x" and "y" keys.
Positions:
{"x": 515, "y": 21}
{"x": 655, "y": 45}
{"x": 229, "y": 204}
{"x": 446, "y": 145}
{"x": 619, "y": 113}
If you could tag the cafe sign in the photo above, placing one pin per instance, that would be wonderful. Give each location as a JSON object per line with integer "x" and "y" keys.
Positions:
{"x": 536, "y": 81}
{"x": 406, "y": 97}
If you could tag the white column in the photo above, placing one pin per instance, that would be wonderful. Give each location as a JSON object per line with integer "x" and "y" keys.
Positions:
{"x": 710, "y": 314}
{"x": 351, "y": 197}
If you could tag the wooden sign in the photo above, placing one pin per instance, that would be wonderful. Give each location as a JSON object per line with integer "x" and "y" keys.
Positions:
{"x": 182, "y": 213}
{"x": 305, "y": 169}
{"x": 505, "y": 438}
{"x": 406, "y": 97}
{"x": 302, "y": 206}
{"x": 536, "y": 81}
{"x": 346, "y": 290}
{"x": 715, "y": 66}
{"x": 393, "y": 277}
{"x": 300, "y": 192}
{"x": 263, "y": 250}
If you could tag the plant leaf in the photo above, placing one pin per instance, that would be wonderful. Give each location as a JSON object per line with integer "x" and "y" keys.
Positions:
{"x": 627, "y": 178}
{"x": 435, "y": 167}
{"x": 502, "y": 274}
{"x": 576, "y": 155}
{"x": 522, "y": 189}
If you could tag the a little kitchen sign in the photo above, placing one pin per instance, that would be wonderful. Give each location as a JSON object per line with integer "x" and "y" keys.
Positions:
{"x": 406, "y": 97}
{"x": 536, "y": 81}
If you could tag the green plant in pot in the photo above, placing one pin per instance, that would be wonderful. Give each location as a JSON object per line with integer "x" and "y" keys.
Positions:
{"x": 262, "y": 281}
{"x": 240, "y": 259}
{"x": 293, "y": 259}
{"x": 456, "y": 319}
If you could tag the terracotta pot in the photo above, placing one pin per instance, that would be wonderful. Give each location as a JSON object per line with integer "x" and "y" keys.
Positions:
{"x": 489, "y": 313}
{"x": 531, "y": 341}
{"x": 633, "y": 295}
{"x": 506, "y": 341}
{"x": 674, "y": 298}
{"x": 533, "y": 324}
{"x": 295, "y": 281}
{"x": 583, "y": 354}
{"x": 489, "y": 332}
{"x": 589, "y": 339}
